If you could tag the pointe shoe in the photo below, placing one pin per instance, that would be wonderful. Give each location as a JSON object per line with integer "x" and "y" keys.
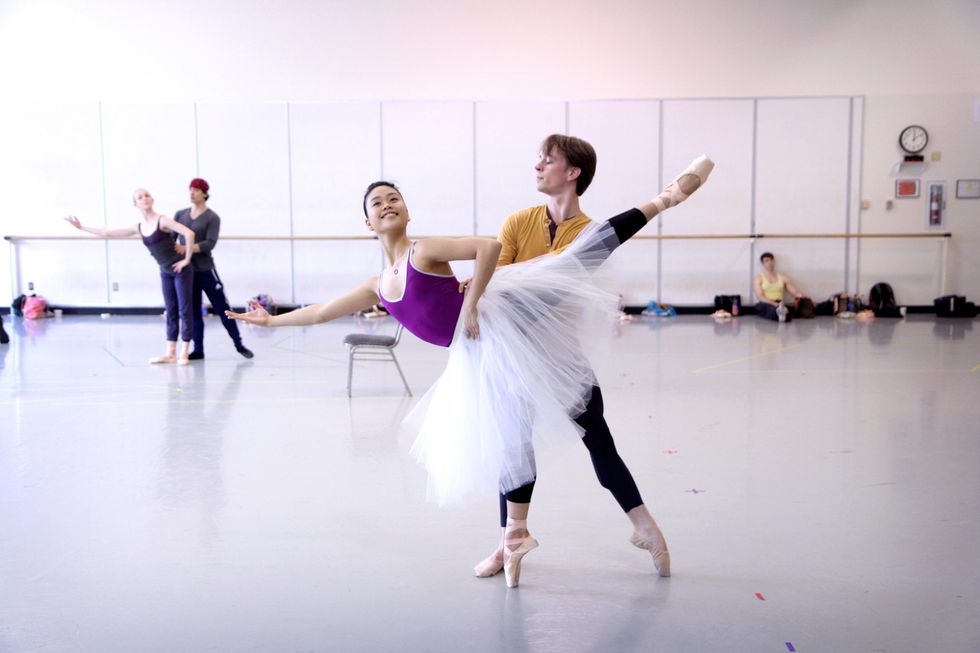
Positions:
{"x": 685, "y": 183}
{"x": 658, "y": 551}
{"x": 157, "y": 360}
{"x": 183, "y": 360}
{"x": 489, "y": 567}
{"x": 518, "y": 545}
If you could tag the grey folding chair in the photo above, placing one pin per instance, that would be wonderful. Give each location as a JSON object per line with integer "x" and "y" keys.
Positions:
{"x": 373, "y": 347}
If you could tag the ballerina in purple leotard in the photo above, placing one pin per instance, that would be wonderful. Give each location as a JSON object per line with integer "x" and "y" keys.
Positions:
{"x": 519, "y": 369}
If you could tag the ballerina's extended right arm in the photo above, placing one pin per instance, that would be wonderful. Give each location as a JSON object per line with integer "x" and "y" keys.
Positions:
{"x": 363, "y": 297}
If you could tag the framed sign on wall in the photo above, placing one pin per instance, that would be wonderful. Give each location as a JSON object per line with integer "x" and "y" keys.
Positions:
{"x": 968, "y": 189}
{"x": 906, "y": 188}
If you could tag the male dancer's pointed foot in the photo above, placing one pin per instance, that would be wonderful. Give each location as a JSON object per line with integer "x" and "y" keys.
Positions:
{"x": 517, "y": 544}
{"x": 491, "y": 566}
{"x": 244, "y": 351}
{"x": 654, "y": 542}
{"x": 685, "y": 183}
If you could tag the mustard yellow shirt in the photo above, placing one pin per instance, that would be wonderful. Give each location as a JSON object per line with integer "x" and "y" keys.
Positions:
{"x": 773, "y": 291}
{"x": 525, "y": 235}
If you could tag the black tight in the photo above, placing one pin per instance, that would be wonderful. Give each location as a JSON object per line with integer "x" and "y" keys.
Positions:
{"x": 609, "y": 466}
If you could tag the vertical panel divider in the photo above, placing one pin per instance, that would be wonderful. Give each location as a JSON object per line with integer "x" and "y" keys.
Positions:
{"x": 289, "y": 177}
{"x": 381, "y": 167}
{"x": 660, "y": 184}
{"x": 475, "y": 193}
{"x": 105, "y": 211}
{"x": 857, "y": 105}
{"x": 753, "y": 186}
{"x": 848, "y": 198}
{"x": 197, "y": 146}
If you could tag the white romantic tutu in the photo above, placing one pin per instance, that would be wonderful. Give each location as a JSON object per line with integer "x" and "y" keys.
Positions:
{"x": 527, "y": 374}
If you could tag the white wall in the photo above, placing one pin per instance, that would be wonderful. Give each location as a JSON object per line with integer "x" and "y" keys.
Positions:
{"x": 240, "y": 63}
{"x": 281, "y": 170}
{"x": 319, "y": 50}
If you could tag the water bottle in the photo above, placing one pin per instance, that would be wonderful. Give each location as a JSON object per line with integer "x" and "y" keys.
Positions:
{"x": 735, "y": 302}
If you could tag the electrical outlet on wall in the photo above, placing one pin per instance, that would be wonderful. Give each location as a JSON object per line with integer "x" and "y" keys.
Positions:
{"x": 115, "y": 286}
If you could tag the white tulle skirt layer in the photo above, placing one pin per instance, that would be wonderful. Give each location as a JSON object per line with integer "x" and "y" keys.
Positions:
{"x": 523, "y": 381}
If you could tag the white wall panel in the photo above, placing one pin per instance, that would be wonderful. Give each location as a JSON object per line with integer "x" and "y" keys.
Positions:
{"x": 631, "y": 272}
{"x": 50, "y": 167}
{"x": 243, "y": 152}
{"x": 917, "y": 280}
{"x": 326, "y": 270}
{"x": 508, "y": 135}
{"x": 335, "y": 152}
{"x": 147, "y": 146}
{"x": 626, "y": 137}
{"x": 801, "y": 165}
{"x": 694, "y": 271}
{"x": 6, "y": 294}
{"x": 65, "y": 272}
{"x": 722, "y": 129}
{"x": 135, "y": 273}
{"x": 428, "y": 153}
{"x": 249, "y": 267}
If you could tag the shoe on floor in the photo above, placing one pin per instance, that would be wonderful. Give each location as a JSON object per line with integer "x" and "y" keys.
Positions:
{"x": 195, "y": 355}
{"x": 243, "y": 350}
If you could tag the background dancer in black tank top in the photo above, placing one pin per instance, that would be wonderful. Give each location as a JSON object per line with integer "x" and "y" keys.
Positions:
{"x": 176, "y": 275}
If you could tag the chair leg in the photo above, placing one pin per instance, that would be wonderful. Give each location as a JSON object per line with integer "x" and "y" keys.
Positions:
{"x": 401, "y": 374}
{"x": 350, "y": 370}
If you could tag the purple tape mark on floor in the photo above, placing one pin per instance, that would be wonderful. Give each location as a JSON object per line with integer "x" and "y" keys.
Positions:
{"x": 789, "y": 646}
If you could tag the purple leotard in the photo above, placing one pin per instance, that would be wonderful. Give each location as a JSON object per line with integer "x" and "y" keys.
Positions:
{"x": 429, "y": 307}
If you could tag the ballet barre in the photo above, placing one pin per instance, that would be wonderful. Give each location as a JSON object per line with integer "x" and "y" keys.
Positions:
{"x": 13, "y": 240}
{"x": 927, "y": 234}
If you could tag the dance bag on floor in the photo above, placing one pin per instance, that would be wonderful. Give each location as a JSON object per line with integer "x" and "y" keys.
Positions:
{"x": 804, "y": 308}
{"x": 34, "y": 307}
{"x": 954, "y": 306}
{"x": 727, "y": 302}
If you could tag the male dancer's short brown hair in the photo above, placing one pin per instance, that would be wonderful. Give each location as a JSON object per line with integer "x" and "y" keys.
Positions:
{"x": 579, "y": 154}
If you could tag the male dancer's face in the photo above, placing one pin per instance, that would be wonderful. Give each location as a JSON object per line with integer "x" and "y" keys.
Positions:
{"x": 554, "y": 175}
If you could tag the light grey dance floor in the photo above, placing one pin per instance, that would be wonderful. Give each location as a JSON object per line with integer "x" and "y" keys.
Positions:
{"x": 818, "y": 483}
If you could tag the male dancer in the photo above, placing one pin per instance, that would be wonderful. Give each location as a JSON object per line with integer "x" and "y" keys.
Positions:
{"x": 564, "y": 171}
{"x": 206, "y": 226}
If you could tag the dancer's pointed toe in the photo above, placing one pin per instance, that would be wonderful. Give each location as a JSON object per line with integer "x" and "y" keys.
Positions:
{"x": 654, "y": 543}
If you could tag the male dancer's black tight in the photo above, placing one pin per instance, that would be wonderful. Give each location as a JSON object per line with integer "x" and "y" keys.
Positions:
{"x": 609, "y": 467}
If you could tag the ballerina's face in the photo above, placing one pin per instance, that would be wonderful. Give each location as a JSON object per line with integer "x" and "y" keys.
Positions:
{"x": 142, "y": 199}
{"x": 386, "y": 210}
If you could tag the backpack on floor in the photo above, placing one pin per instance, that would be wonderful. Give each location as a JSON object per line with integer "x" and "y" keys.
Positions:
{"x": 882, "y": 297}
{"x": 17, "y": 306}
{"x": 34, "y": 307}
{"x": 728, "y": 303}
{"x": 804, "y": 308}
{"x": 954, "y": 306}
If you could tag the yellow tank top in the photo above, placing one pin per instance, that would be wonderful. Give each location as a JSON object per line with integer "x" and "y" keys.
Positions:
{"x": 773, "y": 290}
